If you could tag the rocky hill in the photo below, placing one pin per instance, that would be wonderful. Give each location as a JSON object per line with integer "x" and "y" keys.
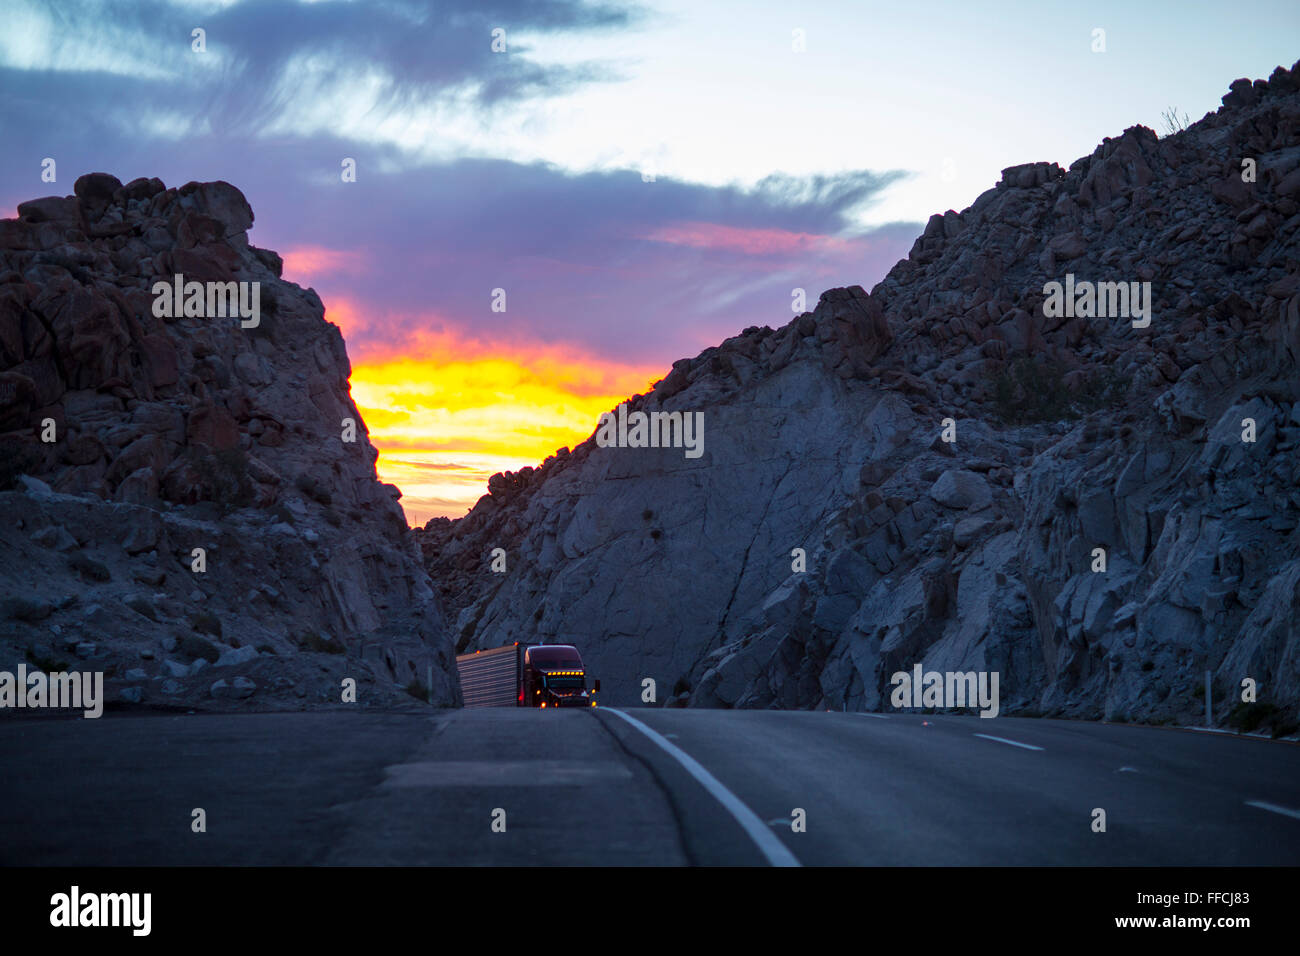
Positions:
{"x": 1074, "y": 431}
{"x": 130, "y": 437}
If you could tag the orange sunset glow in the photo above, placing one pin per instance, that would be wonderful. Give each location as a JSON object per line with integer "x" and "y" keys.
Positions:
{"x": 452, "y": 412}
{"x": 755, "y": 242}
{"x": 446, "y": 410}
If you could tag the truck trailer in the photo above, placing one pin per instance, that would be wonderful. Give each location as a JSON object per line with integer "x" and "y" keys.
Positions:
{"x": 525, "y": 675}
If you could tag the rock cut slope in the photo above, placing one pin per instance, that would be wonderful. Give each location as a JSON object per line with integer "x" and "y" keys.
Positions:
{"x": 130, "y": 440}
{"x": 1072, "y": 434}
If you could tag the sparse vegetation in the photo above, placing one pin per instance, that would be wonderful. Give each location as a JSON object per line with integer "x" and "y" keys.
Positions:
{"x": 1030, "y": 391}
{"x": 48, "y": 664}
{"x": 16, "y": 458}
{"x": 1102, "y": 389}
{"x": 1248, "y": 718}
{"x": 24, "y": 609}
{"x": 312, "y": 641}
{"x": 205, "y": 622}
{"x": 193, "y": 646}
{"x": 417, "y": 689}
{"x": 313, "y": 489}
{"x": 1173, "y": 122}
{"x": 224, "y": 477}
{"x": 142, "y": 607}
{"x": 89, "y": 568}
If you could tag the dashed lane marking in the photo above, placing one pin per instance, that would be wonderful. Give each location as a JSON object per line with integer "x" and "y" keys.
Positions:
{"x": 1013, "y": 743}
{"x": 1273, "y": 808}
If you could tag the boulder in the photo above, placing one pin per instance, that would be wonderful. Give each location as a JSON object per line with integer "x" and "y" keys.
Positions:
{"x": 961, "y": 489}
{"x": 222, "y": 202}
{"x": 50, "y": 209}
{"x": 96, "y": 189}
{"x": 237, "y": 689}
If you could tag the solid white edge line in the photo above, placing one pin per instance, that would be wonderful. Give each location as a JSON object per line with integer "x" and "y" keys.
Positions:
{"x": 772, "y": 848}
{"x": 1003, "y": 740}
{"x": 877, "y": 716}
{"x": 1274, "y": 808}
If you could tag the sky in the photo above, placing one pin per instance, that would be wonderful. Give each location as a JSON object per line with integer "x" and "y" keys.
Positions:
{"x": 640, "y": 180}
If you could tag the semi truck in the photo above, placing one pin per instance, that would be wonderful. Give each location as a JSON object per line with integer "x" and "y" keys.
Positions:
{"x": 525, "y": 675}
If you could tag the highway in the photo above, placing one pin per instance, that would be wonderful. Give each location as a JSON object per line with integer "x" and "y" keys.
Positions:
{"x": 665, "y": 788}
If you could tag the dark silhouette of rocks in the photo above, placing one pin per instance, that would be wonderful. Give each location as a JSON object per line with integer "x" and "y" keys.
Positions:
{"x": 173, "y": 434}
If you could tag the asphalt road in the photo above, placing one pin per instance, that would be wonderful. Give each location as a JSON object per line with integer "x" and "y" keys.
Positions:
{"x": 525, "y": 787}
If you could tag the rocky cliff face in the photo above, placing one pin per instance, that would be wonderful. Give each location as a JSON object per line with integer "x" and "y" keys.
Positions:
{"x": 130, "y": 440}
{"x": 1072, "y": 433}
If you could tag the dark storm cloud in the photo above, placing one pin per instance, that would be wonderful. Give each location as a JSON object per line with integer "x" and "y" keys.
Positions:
{"x": 424, "y": 47}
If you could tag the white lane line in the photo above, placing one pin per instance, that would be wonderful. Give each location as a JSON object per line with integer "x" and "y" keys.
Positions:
{"x": 877, "y": 716}
{"x": 1274, "y": 808}
{"x": 1003, "y": 740}
{"x": 768, "y": 844}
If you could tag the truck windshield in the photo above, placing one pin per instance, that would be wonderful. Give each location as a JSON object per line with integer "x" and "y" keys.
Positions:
{"x": 555, "y": 658}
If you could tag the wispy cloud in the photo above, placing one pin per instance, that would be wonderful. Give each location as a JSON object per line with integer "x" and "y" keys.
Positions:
{"x": 308, "y": 262}
{"x": 280, "y": 67}
{"x": 609, "y": 278}
{"x": 751, "y": 242}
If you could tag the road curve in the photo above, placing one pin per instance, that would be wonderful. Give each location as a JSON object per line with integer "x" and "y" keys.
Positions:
{"x": 670, "y": 787}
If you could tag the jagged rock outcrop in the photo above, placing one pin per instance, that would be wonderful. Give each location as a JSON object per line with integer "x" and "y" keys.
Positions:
{"x": 1072, "y": 434}
{"x": 170, "y": 434}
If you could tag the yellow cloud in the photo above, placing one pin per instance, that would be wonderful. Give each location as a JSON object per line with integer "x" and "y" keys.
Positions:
{"x": 447, "y": 420}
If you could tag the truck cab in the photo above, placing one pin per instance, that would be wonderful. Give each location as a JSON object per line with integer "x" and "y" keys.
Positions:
{"x": 553, "y": 676}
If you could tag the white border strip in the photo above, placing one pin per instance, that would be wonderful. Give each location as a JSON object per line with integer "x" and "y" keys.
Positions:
{"x": 1003, "y": 740}
{"x": 768, "y": 844}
